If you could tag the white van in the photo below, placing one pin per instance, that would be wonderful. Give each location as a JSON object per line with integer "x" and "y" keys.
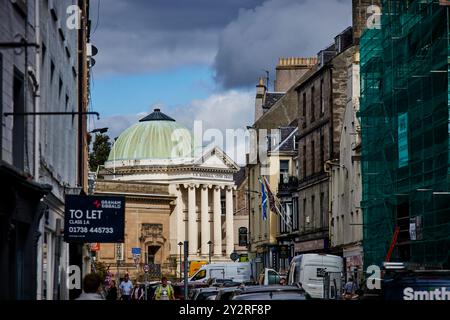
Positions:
{"x": 236, "y": 271}
{"x": 268, "y": 277}
{"x": 311, "y": 271}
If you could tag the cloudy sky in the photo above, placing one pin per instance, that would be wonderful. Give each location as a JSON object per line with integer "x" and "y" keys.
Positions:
{"x": 199, "y": 59}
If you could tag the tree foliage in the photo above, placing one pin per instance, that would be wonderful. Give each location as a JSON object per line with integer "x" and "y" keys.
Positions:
{"x": 100, "y": 151}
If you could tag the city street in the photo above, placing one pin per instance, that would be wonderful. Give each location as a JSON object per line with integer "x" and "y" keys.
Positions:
{"x": 255, "y": 150}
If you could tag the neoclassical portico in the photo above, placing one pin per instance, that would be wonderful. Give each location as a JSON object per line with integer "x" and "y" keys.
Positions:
{"x": 203, "y": 219}
{"x": 158, "y": 151}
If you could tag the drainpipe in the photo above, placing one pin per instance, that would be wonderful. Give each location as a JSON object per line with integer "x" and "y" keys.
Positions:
{"x": 37, "y": 93}
{"x": 329, "y": 170}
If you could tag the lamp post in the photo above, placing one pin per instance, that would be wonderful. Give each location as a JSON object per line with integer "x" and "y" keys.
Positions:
{"x": 210, "y": 244}
{"x": 99, "y": 130}
{"x": 180, "y": 244}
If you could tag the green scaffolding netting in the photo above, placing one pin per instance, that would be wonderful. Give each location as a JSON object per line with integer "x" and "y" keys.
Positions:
{"x": 405, "y": 127}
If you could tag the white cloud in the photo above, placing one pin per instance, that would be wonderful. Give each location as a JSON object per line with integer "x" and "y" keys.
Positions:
{"x": 278, "y": 28}
{"x": 228, "y": 110}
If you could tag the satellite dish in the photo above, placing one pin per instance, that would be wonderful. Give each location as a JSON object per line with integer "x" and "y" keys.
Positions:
{"x": 94, "y": 50}
{"x": 234, "y": 256}
{"x": 92, "y": 62}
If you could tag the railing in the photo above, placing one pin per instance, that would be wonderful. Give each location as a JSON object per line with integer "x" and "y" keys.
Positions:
{"x": 290, "y": 185}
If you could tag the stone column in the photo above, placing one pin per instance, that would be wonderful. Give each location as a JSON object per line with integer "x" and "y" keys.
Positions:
{"x": 192, "y": 221}
{"x": 229, "y": 225}
{"x": 217, "y": 222}
{"x": 205, "y": 232}
{"x": 180, "y": 216}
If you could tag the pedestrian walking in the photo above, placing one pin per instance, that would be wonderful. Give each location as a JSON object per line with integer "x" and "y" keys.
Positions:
{"x": 91, "y": 288}
{"x": 126, "y": 288}
{"x": 138, "y": 293}
{"x": 112, "y": 292}
{"x": 349, "y": 289}
{"x": 164, "y": 291}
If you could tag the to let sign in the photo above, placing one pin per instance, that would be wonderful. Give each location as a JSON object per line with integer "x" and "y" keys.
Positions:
{"x": 97, "y": 219}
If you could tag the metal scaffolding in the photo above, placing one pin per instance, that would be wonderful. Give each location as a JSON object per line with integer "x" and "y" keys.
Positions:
{"x": 405, "y": 99}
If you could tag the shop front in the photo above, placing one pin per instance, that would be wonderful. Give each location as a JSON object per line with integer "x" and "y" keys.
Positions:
{"x": 353, "y": 263}
{"x": 311, "y": 246}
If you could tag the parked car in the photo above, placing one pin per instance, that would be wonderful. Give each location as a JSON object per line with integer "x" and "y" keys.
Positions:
{"x": 179, "y": 289}
{"x": 202, "y": 294}
{"x": 275, "y": 292}
{"x": 225, "y": 294}
{"x": 310, "y": 271}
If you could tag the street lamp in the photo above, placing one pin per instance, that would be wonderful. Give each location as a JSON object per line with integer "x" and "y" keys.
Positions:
{"x": 209, "y": 244}
{"x": 180, "y": 244}
{"x": 100, "y": 130}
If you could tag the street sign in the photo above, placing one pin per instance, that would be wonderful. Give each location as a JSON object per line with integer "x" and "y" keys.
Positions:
{"x": 136, "y": 251}
{"x": 94, "y": 219}
{"x": 119, "y": 252}
{"x": 234, "y": 256}
{"x": 146, "y": 268}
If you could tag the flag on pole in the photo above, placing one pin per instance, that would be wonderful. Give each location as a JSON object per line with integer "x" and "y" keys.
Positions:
{"x": 264, "y": 201}
{"x": 272, "y": 205}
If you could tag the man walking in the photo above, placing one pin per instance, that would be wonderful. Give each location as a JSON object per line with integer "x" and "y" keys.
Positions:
{"x": 164, "y": 291}
{"x": 349, "y": 289}
{"x": 126, "y": 287}
{"x": 91, "y": 288}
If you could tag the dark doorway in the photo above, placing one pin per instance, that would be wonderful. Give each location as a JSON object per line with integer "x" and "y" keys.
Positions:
{"x": 151, "y": 254}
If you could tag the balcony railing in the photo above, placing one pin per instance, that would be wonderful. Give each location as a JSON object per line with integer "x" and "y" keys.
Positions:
{"x": 288, "y": 185}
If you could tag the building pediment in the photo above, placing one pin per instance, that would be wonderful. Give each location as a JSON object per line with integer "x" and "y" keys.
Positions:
{"x": 215, "y": 158}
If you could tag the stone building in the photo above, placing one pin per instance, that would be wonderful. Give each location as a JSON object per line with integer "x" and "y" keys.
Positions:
{"x": 321, "y": 103}
{"x": 39, "y": 72}
{"x": 276, "y": 113}
{"x": 346, "y": 229}
{"x": 174, "y": 193}
{"x": 346, "y": 215}
{"x": 148, "y": 207}
{"x": 241, "y": 212}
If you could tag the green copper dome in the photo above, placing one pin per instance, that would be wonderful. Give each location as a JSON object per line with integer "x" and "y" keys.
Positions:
{"x": 155, "y": 137}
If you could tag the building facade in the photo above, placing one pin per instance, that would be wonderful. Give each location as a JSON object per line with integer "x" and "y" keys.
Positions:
{"x": 241, "y": 213}
{"x": 39, "y": 74}
{"x": 322, "y": 102}
{"x": 276, "y": 121}
{"x": 405, "y": 139}
{"x": 159, "y": 151}
{"x": 346, "y": 222}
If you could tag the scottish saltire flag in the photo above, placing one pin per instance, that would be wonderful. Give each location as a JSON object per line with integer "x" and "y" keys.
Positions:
{"x": 264, "y": 201}
{"x": 272, "y": 204}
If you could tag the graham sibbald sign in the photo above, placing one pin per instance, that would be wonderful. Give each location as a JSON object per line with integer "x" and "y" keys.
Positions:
{"x": 98, "y": 219}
